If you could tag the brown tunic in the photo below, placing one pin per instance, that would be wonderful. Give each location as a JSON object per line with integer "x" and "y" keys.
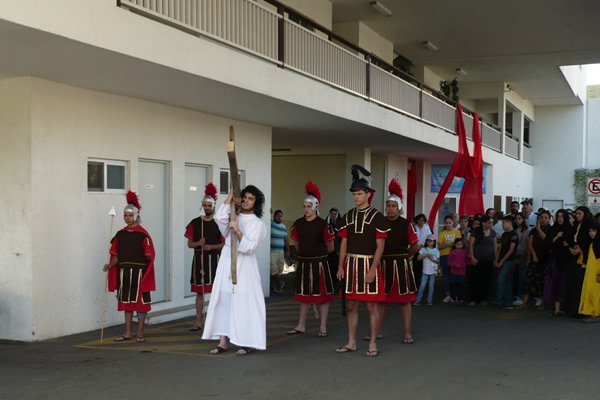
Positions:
{"x": 399, "y": 280}
{"x": 204, "y": 264}
{"x": 313, "y": 282}
{"x": 362, "y": 228}
{"x": 133, "y": 263}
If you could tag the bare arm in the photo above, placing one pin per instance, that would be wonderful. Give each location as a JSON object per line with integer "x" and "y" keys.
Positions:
{"x": 113, "y": 261}
{"x": 340, "y": 273}
{"x": 413, "y": 249}
{"x": 531, "y": 249}
{"x": 286, "y": 246}
{"x": 376, "y": 258}
{"x": 472, "y": 251}
{"x": 540, "y": 232}
{"x": 329, "y": 246}
{"x": 508, "y": 254}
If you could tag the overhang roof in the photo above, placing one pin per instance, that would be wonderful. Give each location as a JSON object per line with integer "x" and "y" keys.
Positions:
{"x": 519, "y": 42}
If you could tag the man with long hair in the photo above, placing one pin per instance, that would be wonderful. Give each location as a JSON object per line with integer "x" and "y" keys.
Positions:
{"x": 236, "y": 313}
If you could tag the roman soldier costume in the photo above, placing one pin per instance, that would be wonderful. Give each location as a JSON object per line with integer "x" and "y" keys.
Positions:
{"x": 204, "y": 264}
{"x": 362, "y": 228}
{"x": 314, "y": 283}
{"x": 133, "y": 275}
{"x": 399, "y": 280}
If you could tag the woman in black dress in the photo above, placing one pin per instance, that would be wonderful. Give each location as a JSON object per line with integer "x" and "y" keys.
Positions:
{"x": 575, "y": 269}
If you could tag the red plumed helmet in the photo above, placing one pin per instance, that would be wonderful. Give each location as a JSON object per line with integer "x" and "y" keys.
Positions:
{"x": 395, "y": 188}
{"x": 211, "y": 190}
{"x": 313, "y": 190}
{"x": 132, "y": 198}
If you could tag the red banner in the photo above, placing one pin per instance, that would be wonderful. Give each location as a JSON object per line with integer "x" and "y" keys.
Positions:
{"x": 471, "y": 196}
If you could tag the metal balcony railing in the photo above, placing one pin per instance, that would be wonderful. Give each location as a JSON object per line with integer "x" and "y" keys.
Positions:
{"x": 512, "y": 147}
{"x": 527, "y": 155}
{"x": 314, "y": 51}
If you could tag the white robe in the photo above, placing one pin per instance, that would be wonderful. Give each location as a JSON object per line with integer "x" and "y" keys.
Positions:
{"x": 239, "y": 312}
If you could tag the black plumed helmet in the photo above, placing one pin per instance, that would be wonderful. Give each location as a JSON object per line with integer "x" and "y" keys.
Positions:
{"x": 360, "y": 179}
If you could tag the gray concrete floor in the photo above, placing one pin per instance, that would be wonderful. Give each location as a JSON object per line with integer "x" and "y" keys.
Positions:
{"x": 460, "y": 353}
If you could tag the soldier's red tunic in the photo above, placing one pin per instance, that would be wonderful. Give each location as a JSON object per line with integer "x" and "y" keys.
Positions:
{"x": 133, "y": 276}
{"x": 314, "y": 283}
{"x": 204, "y": 264}
{"x": 362, "y": 228}
{"x": 399, "y": 280}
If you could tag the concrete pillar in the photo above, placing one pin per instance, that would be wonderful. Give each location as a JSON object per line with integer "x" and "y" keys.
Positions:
{"x": 502, "y": 118}
{"x": 518, "y": 123}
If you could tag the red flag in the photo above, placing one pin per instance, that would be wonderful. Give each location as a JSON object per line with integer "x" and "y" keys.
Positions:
{"x": 464, "y": 167}
{"x": 471, "y": 195}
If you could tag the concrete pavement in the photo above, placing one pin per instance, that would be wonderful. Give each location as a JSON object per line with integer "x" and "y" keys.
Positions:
{"x": 460, "y": 353}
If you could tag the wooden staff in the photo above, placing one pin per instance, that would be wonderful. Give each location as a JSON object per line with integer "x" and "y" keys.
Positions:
{"x": 112, "y": 214}
{"x": 202, "y": 270}
{"x": 236, "y": 200}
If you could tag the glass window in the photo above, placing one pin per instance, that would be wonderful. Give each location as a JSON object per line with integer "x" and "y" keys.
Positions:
{"x": 225, "y": 185}
{"x": 95, "y": 176}
{"x": 106, "y": 176}
{"x": 115, "y": 176}
{"x": 224, "y": 182}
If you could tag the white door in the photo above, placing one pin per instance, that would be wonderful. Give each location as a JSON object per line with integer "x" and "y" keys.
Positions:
{"x": 552, "y": 205}
{"x": 153, "y": 189}
{"x": 195, "y": 181}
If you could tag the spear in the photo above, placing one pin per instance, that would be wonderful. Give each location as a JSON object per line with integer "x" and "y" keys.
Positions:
{"x": 112, "y": 214}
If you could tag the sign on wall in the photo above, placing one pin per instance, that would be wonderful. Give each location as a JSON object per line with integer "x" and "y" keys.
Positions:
{"x": 593, "y": 186}
{"x": 439, "y": 173}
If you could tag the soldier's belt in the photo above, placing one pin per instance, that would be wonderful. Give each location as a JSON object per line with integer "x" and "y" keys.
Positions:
{"x": 358, "y": 255}
{"x": 312, "y": 258}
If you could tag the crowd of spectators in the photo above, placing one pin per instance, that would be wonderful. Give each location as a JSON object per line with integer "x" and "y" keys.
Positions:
{"x": 513, "y": 261}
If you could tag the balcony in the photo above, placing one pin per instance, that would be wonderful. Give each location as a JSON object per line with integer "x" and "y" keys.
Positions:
{"x": 313, "y": 51}
{"x": 512, "y": 147}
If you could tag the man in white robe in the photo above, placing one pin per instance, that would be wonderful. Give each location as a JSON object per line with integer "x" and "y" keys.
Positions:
{"x": 236, "y": 313}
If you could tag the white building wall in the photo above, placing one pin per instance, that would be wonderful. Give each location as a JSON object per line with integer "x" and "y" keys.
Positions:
{"x": 320, "y": 11}
{"x": 593, "y": 133}
{"x": 70, "y": 226}
{"x": 373, "y": 42}
{"x": 16, "y": 256}
{"x": 575, "y": 76}
{"x": 558, "y": 147}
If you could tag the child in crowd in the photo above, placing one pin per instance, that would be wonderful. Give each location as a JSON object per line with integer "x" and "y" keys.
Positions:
{"x": 590, "y": 293}
{"x": 446, "y": 239}
{"x": 430, "y": 256}
{"x": 457, "y": 260}
{"x": 505, "y": 261}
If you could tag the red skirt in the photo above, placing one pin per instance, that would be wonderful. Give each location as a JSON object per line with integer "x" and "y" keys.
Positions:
{"x": 399, "y": 280}
{"x": 356, "y": 286}
{"x": 321, "y": 298}
{"x": 202, "y": 289}
{"x": 139, "y": 306}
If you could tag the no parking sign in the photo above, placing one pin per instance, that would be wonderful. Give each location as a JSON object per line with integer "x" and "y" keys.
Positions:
{"x": 593, "y": 187}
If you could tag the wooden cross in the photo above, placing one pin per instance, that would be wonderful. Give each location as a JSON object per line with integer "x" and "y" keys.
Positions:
{"x": 236, "y": 201}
